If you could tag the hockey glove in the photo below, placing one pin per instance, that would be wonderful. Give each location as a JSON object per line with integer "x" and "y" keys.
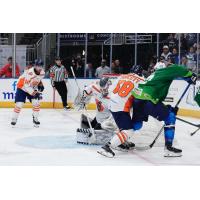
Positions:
{"x": 40, "y": 88}
{"x": 38, "y": 96}
{"x": 192, "y": 79}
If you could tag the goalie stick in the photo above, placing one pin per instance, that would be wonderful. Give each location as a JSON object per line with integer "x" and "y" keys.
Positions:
{"x": 159, "y": 133}
{"x": 75, "y": 78}
{"x": 92, "y": 130}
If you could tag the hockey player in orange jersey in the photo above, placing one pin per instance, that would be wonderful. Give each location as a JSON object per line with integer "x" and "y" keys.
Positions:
{"x": 121, "y": 102}
{"x": 29, "y": 86}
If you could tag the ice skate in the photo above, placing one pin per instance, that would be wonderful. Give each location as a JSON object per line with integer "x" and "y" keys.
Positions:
{"x": 36, "y": 123}
{"x": 66, "y": 108}
{"x": 106, "y": 151}
{"x": 172, "y": 152}
{"x": 13, "y": 122}
{"x": 127, "y": 146}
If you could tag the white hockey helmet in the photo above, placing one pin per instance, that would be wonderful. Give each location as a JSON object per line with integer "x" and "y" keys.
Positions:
{"x": 104, "y": 84}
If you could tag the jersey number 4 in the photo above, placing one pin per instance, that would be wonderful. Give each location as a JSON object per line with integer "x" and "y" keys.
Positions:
{"x": 123, "y": 88}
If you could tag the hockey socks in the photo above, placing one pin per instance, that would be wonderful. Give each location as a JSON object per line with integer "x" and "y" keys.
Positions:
{"x": 16, "y": 112}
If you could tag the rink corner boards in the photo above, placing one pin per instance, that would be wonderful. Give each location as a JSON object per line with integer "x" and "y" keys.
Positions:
{"x": 92, "y": 106}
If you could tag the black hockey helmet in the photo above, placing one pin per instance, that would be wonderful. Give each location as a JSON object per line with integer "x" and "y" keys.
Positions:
{"x": 137, "y": 69}
{"x": 38, "y": 62}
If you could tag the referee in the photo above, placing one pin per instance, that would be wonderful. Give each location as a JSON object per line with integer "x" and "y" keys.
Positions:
{"x": 58, "y": 76}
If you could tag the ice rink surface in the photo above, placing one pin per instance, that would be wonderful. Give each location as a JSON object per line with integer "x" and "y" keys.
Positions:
{"x": 54, "y": 143}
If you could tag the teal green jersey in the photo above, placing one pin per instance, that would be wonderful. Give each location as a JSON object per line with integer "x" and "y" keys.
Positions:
{"x": 155, "y": 87}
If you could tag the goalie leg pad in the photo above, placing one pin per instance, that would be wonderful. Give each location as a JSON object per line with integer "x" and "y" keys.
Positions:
{"x": 101, "y": 137}
{"x": 83, "y": 135}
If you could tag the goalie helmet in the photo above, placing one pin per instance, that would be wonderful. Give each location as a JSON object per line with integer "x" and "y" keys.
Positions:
{"x": 104, "y": 84}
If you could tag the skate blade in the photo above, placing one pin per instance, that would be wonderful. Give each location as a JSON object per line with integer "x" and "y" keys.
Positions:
{"x": 68, "y": 109}
{"x": 103, "y": 153}
{"x": 172, "y": 155}
{"x": 120, "y": 149}
{"x": 36, "y": 126}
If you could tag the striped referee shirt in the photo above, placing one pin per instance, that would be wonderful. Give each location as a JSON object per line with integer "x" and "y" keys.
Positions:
{"x": 58, "y": 74}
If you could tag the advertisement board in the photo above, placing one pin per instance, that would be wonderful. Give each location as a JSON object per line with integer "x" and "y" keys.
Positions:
{"x": 52, "y": 99}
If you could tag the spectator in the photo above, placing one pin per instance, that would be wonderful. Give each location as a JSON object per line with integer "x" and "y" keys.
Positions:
{"x": 171, "y": 41}
{"x": 166, "y": 52}
{"x": 184, "y": 61}
{"x": 175, "y": 55}
{"x": 170, "y": 61}
{"x": 116, "y": 68}
{"x": 192, "y": 59}
{"x": 89, "y": 71}
{"x": 79, "y": 70}
{"x": 161, "y": 64}
{"x": 6, "y": 70}
{"x": 47, "y": 70}
{"x": 152, "y": 63}
{"x": 103, "y": 69}
{"x": 197, "y": 47}
{"x": 191, "y": 38}
{"x": 113, "y": 70}
{"x": 183, "y": 44}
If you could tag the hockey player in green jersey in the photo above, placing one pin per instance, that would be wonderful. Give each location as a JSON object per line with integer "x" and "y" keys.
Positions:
{"x": 148, "y": 96}
{"x": 148, "y": 101}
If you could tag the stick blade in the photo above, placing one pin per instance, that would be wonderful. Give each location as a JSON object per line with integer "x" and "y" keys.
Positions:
{"x": 144, "y": 148}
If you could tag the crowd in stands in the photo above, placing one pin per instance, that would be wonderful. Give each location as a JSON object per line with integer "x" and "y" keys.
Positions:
{"x": 6, "y": 70}
{"x": 188, "y": 50}
{"x": 169, "y": 54}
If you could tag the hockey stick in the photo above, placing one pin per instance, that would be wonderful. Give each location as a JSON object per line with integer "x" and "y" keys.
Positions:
{"x": 187, "y": 122}
{"x": 194, "y": 132}
{"x": 54, "y": 96}
{"x": 75, "y": 78}
{"x": 159, "y": 133}
{"x": 84, "y": 106}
